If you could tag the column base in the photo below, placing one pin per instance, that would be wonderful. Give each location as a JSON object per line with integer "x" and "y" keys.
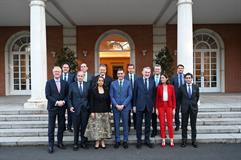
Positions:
{"x": 36, "y": 104}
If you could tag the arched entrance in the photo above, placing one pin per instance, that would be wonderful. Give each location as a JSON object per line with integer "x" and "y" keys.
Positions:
{"x": 115, "y": 49}
{"x": 17, "y": 53}
{"x": 208, "y": 61}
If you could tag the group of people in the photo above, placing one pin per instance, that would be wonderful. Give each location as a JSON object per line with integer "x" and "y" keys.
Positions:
{"x": 91, "y": 100}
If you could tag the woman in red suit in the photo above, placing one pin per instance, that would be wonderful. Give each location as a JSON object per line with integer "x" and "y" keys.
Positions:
{"x": 165, "y": 107}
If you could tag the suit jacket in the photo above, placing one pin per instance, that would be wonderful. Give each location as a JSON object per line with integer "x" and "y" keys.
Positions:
{"x": 153, "y": 77}
{"x": 53, "y": 95}
{"x": 127, "y": 78}
{"x": 174, "y": 82}
{"x": 187, "y": 102}
{"x": 123, "y": 97}
{"x": 89, "y": 78}
{"x": 171, "y": 96}
{"x": 78, "y": 100}
{"x": 71, "y": 77}
{"x": 142, "y": 97}
{"x": 107, "y": 81}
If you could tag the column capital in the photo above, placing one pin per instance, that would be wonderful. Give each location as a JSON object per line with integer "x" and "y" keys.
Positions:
{"x": 180, "y": 2}
{"x": 41, "y": 3}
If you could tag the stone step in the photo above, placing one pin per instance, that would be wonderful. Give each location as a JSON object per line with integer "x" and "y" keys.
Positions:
{"x": 201, "y": 138}
{"x": 33, "y": 132}
{"x": 44, "y": 117}
{"x": 44, "y": 124}
{"x": 202, "y": 108}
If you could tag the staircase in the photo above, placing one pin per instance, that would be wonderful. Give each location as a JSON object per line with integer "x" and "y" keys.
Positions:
{"x": 216, "y": 123}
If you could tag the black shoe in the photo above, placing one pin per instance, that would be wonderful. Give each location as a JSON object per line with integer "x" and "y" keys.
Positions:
{"x": 148, "y": 144}
{"x": 75, "y": 147}
{"x": 96, "y": 147}
{"x": 61, "y": 146}
{"x": 194, "y": 144}
{"x": 125, "y": 145}
{"x": 138, "y": 145}
{"x": 177, "y": 128}
{"x": 117, "y": 144}
{"x": 51, "y": 149}
{"x": 103, "y": 147}
{"x": 183, "y": 144}
{"x": 153, "y": 134}
{"x": 70, "y": 129}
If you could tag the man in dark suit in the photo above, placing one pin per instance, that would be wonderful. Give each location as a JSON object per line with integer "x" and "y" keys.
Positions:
{"x": 144, "y": 98}
{"x": 178, "y": 80}
{"x": 102, "y": 73}
{"x": 88, "y": 76}
{"x": 157, "y": 79}
{"x": 56, "y": 91}
{"x": 78, "y": 105}
{"x": 189, "y": 93}
{"x": 131, "y": 76}
{"x": 69, "y": 78}
{"x": 121, "y": 95}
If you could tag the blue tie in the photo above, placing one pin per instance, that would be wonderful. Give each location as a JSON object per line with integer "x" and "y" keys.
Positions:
{"x": 146, "y": 85}
{"x": 189, "y": 91}
{"x": 80, "y": 88}
{"x": 65, "y": 77}
{"x": 157, "y": 81}
{"x": 180, "y": 80}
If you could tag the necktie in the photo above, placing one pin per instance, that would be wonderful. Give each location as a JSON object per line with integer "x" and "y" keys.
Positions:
{"x": 81, "y": 87}
{"x": 58, "y": 85}
{"x": 157, "y": 80}
{"x": 131, "y": 79}
{"x": 65, "y": 76}
{"x": 120, "y": 86}
{"x": 189, "y": 91}
{"x": 180, "y": 80}
{"x": 146, "y": 85}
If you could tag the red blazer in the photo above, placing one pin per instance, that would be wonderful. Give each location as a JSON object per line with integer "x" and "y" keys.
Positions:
{"x": 171, "y": 96}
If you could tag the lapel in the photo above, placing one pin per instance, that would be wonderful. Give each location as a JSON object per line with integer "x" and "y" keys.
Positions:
{"x": 61, "y": 86}
{"x": 143, "y": 84}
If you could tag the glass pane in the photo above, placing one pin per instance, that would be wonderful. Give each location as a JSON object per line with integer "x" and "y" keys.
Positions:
{"x": 214, "y": 84}
{"x": 213, "y": 66}
{"x": 206, "y": 66}
{"x": 15, "y": 57}
{"x": 197, "y": 60}
{"x": 16, "y": 81}
{"x": 214, "y": 46}
{"x": 198, "y": 54}
{"x": 210, "y": 40}
{"x": 206, "y": 54}
{"x": 213, "y": 60}
{"x": 206, "y": 84}
{"x": 206, "y": 72}
{"x": 206, "y": 60}
{"x": 214, "y": 78}
{"x": 198, "y": 84}
{"x": 23, "y": 87}
{"x": 198, "y": 66}
{"x": 206, "y": 78}
{"x": 202, "y": 46}
{"x": 198, "y": 78}
{"x": 214, "y": 72}
{"x": 16, "y": 87}
{"x": 198, "y": 72}
{"x": 213, "y": 54}
{"x": 15, "y": 69}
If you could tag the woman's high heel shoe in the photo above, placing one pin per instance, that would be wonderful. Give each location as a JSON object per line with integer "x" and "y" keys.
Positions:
{"x": 163, "y": 144}
{"x": 172, "y": 145}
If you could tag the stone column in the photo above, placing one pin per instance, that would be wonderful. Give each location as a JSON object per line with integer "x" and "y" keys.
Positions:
{"x": 185, "y": 35}
{"x": 38, "y": 54}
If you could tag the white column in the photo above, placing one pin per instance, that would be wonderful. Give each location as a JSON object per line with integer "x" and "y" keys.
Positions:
{"x": 38, "y": 54}
{"x": 185, "y": 35}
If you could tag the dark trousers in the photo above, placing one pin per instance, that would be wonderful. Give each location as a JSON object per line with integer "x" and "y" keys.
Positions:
{"x": 193, "y": 119}
{"x": 154, "y": 122}
{"x": 133, "y": 118}
{"x": 139, "y": 119}
{"x": 80, "y": 123}
{"x": 69, "y": 119}
{"x": 52, "y": 114}
{"x": 177, "y": 111}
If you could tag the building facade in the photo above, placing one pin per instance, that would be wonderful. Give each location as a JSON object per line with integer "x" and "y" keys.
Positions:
{"x": 211, "y": 51}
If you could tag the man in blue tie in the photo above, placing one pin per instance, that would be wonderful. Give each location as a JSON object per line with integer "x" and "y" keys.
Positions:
{"x": 189, "y": 94}
{"x": 69, "y": 78}
{"x": 156, "y": 77}
{"x": 144, "y": 101}
{"x": 178, "y": 80}
{"x": 121, "y": 95}
{"x": 78, "y": 99}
